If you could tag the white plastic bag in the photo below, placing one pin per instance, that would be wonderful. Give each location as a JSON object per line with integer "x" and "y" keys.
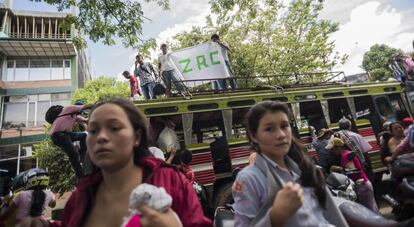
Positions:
{"x": 168, "y": 140}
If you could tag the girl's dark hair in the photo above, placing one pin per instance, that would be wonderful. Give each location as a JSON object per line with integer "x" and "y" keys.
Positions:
{"x": 311, "y": 176}
{"x": 38, "y": 199}
{"x": 138, "y": 122}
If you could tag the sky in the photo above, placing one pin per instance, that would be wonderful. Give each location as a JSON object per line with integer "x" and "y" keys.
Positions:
{"x": 362, "y": 23}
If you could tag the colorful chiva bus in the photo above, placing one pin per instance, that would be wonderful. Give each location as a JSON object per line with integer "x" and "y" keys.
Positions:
{"x": 212, "y": 125}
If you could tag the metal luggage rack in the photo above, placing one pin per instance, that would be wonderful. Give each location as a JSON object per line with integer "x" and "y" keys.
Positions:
{"x": 277, "y": 83}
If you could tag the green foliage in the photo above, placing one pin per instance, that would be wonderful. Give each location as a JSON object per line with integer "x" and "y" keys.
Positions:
{"x": 105, "y": 19}
{"x": 268, "y": 38}
{"x": 376, "y": 61}
{"x": 51, "y": 157}
{"x": 100, "y": 89}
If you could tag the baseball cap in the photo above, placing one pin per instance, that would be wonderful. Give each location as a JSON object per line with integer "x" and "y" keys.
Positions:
{"x": 408, "y": 121}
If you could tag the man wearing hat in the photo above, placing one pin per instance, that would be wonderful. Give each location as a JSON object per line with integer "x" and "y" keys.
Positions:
{"x": 319, "y": 142}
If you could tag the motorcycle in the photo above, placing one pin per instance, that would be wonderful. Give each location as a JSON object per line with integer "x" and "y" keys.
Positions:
{"x": 341, "y": 185}
{"x": 401, "y": 196}
{"x": 343, "y": 189}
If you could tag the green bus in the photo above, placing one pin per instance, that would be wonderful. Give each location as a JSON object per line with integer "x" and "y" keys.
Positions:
{"x": 211, "y": 123}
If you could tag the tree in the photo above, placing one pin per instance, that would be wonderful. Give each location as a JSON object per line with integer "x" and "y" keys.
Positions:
{"x": 268, "y": 38}
{"x": 376, "y": 61}
{"x": 51, "y": 157}
{"x": 104, "y": 19}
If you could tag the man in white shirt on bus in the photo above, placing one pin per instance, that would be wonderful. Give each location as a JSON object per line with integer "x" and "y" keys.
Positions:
{"x": 169, "y": 73}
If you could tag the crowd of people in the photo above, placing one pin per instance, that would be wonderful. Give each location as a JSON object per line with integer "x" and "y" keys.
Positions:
{"x": 402, "y": 66}
{"x": 145, "y": 77}
{"x": 122, "y": 159}
{"x": 280, "y": 187}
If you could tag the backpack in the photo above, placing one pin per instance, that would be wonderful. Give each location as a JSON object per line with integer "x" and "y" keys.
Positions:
{"x": 53, "y": 112}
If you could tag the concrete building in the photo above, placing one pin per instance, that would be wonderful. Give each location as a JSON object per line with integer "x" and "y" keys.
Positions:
{"x": 39, "y": 67}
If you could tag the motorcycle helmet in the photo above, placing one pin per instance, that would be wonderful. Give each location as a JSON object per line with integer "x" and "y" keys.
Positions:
{"x": 18, "y": 183}
{"x": 37, "y": 178}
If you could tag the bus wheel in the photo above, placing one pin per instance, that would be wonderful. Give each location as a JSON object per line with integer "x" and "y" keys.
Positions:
{"x": 223, "y": 196}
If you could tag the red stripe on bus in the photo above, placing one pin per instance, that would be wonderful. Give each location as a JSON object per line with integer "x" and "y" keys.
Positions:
{"x": 205, "y": 176}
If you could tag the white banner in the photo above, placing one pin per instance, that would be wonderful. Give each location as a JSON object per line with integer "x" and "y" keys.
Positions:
{"x": 204, "y": 61}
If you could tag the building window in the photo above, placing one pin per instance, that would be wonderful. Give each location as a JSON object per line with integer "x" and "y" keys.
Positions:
{"x": 9, "y": 152}
{"x": 14, "y": 115}
{"x": 22, "y": 70}
{"x": 29, "y": 111}
{"x": 57, "y": 70}
{"x": 67, "y": 69}
{"x": 38, "y": 69}
{"x": 10, "y": 70}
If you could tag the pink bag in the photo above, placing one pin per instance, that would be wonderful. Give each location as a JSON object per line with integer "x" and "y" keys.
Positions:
{"x": 134, "y": 221}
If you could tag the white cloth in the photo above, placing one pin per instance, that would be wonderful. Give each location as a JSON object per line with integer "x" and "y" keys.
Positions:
{"x": 156, "y": 198}
{"x": 203, "y": 61}
{"x": 157, "y": 152}
{"x": 168, "y": 139}
{"x": 165, "y": 61}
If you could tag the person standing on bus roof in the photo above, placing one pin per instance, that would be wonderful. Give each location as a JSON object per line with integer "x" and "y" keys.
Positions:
{"x": 147, "y": 76}
{"x": 221, "y": 84}
{"x": 169, "y": 73}
{"x": 133, "y": 84}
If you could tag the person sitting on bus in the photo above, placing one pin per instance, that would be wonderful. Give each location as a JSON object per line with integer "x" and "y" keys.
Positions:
{"x": 118, "y": 148}
{"x": 185, "y": 158}
{"x": 319, "y": 143}
{"x": 406, "y": 145}
{"x": 364, "y": 189}
{"x": 353, "y": 140}
{"x": 296, "y": 194}
{"x": 397, "y": 132}
{"x": 385, "y": 151}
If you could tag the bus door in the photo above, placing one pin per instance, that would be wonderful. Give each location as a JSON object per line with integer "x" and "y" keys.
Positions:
{"x": 311, "y": 114}
{"x": 368, "y": 120}
{"x": 338, "y": 108}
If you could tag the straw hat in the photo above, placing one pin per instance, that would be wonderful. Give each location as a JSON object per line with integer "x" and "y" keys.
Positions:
{"x": 322, "y": 132}
{"x": 334, "y": 142}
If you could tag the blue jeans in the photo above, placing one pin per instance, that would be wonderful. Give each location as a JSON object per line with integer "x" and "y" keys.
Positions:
{"x": 65, "y": 141}
{"x": 170, "y": 77}
{"x": 147, "y": 90}
{"x": 221, "y": 84}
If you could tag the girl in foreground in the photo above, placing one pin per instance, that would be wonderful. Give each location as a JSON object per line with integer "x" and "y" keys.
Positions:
{"x": 117, "y": 146}
{"x": 297, "y": 196}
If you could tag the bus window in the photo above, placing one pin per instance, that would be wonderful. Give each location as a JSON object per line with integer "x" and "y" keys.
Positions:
{"x": 396, "y": 102}
{"x": 384, "y": 107}
{"x": 207, "y": 126}
{"x": 364, "y": 108}
{"x": 312, "y": 115}
{"x": 338, "y": 108}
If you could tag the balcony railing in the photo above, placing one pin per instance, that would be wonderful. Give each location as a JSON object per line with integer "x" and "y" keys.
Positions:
{"x": 39, "y": 36}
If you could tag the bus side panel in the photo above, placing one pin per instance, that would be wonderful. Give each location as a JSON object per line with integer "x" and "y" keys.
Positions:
{"x": 306, "y": 140}
{"x": 375, "y": 153}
